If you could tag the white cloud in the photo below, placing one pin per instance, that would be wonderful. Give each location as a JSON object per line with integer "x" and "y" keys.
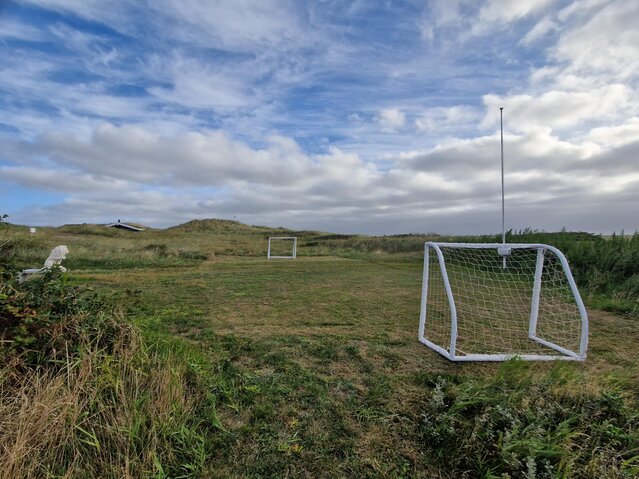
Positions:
{"x": 560, "y": 109}
{"x": 12, "y": 28}
{"x": 442, "y": 13}
{"x": 211, "y": 158}
{"x": 116, "y": 16}
{"x": 502, "y": 12}
{"x": 615, "y": 136}
{"x": 391, "y": 119}
{"x": 580, "y": 8}
{"x": 606, "y": 45}
{"x": 238, "y": 25}
{"x": 446, "y": 189}
{"x": 84, "y": 8}
{"x": 427, "y": 30}
{"x": 540, "y": 30}
{"x": 61, "y": 180}
{"x": 441, "y": 118}
{"x": 511, "y": 10}
{"x": 94, "y": 49}
{"x": 196, "y": 85}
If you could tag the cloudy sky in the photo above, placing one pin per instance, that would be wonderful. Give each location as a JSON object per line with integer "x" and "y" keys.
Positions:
{"x": 362, "y": 116}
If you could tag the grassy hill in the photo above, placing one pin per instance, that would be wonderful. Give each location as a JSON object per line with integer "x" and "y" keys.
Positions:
{"x": 217, "y": 226}
{"x": 185, "y": 353}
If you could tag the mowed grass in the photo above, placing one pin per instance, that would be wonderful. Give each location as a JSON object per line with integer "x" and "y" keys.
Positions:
{"x": 314, "y": 352}
{"x": 319, "y": 372}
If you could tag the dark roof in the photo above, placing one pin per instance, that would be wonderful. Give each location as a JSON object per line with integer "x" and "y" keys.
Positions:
{"x": 124, "y": 226}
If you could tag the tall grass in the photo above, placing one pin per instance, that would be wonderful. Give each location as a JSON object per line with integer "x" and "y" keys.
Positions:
{"x": 605, "y": 267}
{"x": 83, "y": 394}
{"x": 104, "y": 248}
{"x": 512, "y": 425}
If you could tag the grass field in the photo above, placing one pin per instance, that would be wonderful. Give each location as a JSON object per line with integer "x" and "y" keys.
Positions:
{"x": 312, "y": 367}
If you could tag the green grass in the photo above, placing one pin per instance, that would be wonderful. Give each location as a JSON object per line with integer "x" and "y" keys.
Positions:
{"x": 84, "y": 395}
{"x": 311, "y": 368}
{"x": 604, "y": 267}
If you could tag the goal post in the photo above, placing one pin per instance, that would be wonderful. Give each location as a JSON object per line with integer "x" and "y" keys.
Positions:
{"x": 475, "y": 309}
{"x": 291, "y": 239}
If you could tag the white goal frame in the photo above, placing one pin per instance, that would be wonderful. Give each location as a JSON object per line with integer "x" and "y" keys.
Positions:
{"x": 504, "y": 250}
{"x": 285, "y": 238}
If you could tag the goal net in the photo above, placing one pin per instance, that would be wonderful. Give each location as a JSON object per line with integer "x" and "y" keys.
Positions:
{"x": 282, "y": 247}
{"x": 492, "y": 302}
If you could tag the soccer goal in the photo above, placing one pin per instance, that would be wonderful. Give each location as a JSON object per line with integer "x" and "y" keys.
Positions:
{"x": 492, "y": 302}
{"x": 281, "y": 253}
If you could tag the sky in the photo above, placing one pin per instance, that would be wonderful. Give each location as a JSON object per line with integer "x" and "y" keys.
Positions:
{"x": 377, "y": 117}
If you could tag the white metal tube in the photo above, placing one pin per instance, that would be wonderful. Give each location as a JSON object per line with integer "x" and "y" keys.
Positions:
{"x": 451, "y": 300}
{"x": 556, "y": 347}
{"x": 534, "y": 307}
{"x": 422, "y": 311}
{"x": 438, "y": 348}
{"x": 497, "y": 245}
{"x": 506, "y": 357}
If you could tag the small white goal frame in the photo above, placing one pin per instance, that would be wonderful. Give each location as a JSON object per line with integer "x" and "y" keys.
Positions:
{"x": 503, "y": 250}
{"x": 285, "y": 238}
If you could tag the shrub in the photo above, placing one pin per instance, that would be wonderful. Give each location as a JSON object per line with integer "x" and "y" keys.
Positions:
{"x": 83, "y": 394}
{"x": 45, "y": 318}
{"x": 514, "y": 426}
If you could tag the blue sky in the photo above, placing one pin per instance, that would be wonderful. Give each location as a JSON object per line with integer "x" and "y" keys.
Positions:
{"x": 372, "y": 117}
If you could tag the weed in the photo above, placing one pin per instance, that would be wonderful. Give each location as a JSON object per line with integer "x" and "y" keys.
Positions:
{"x": 82, "y": 395}
{"x": 519, "y": 426}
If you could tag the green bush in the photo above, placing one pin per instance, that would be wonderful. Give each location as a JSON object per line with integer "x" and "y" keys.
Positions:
{"x": 514, "y": 426}
{"x": 44, "y": 318}
{"x": 84, "y": 394}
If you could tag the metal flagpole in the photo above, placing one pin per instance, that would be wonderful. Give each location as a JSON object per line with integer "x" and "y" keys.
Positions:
{"x": 503, "y": 220}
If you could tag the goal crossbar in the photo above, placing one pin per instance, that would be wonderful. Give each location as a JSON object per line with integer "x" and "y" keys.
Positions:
{"x": 448, "y": 336}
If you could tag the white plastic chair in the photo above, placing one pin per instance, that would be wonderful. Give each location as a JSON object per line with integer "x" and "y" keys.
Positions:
{"x": 55, "y": 259}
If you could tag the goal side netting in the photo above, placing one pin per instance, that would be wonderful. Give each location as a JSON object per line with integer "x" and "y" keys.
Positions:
{"x": 493, "y": 302}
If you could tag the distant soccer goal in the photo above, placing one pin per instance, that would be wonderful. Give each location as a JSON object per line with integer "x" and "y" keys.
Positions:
{"x": 492, "y": 302}
{"x": 282, "y": 247}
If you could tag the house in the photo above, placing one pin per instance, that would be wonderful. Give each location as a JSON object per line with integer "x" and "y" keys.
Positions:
{"x": 124, "y": 226}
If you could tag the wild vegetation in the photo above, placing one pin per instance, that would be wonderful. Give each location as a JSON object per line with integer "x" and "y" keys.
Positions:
{"x": 83, "y": 394}
{"x": 184, "y": 353}
{"x": 606, "y": 268}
